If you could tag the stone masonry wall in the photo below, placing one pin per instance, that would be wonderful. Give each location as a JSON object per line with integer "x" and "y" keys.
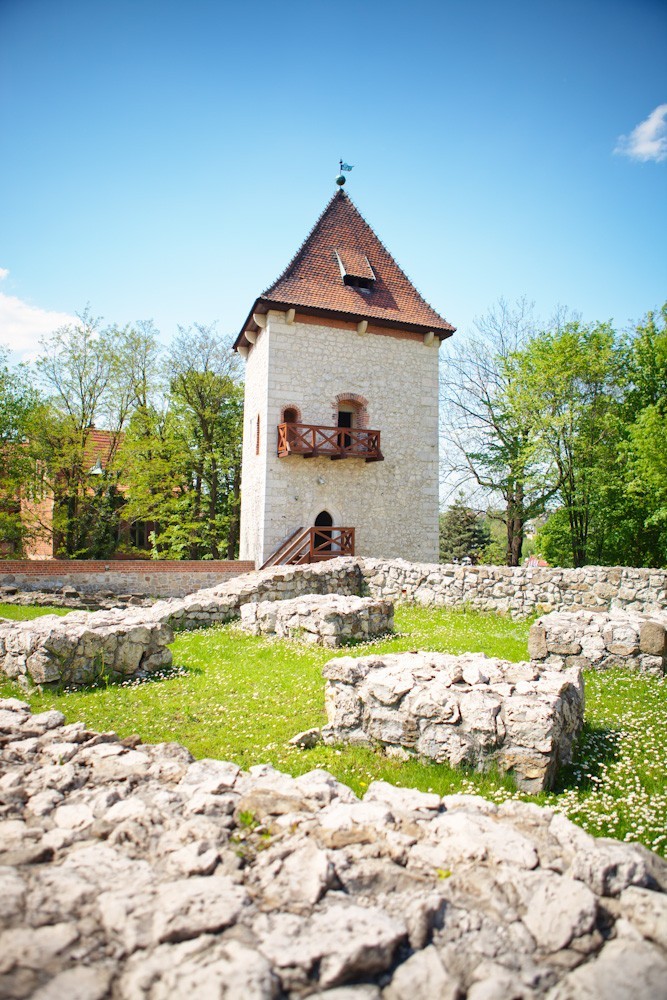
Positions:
{"x": 472, "y": 709}
{"x": 323, "y": 619}
{"x": 597, "y": 640}
{"x": 519, "y": 591}
{"x": 76, "y": 648}
{"x": 157, "y": 578}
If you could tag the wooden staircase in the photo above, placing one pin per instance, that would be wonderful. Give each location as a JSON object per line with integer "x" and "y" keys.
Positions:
{"x": 287, "y": 548}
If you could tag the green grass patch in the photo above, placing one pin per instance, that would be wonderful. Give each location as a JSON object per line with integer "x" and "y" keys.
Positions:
{"x": 19, "y": 613}
{"x": 241, "y": 698}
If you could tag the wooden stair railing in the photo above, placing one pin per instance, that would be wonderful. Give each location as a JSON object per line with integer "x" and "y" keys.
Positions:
{"x": 286, "y": 547}
{"x": 307, "y": 545}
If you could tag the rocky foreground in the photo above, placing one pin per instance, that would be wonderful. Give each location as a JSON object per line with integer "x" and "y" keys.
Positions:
{"x": 130, "y": 871}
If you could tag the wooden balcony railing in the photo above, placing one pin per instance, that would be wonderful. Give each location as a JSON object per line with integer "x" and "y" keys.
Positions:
{"x": 311, "y": 440}
{"x": 308, "y": 545}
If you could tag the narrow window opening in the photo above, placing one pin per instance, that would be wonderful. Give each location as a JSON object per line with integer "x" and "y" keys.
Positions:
{"x": 258, "y": 437}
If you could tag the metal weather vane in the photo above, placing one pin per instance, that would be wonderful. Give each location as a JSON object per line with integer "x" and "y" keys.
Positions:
{"x": 340, "y": 179}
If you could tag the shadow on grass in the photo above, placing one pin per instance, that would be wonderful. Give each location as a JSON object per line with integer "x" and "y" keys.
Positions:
{"x": 106, "y": 683}
{"x": 596, "y": 746}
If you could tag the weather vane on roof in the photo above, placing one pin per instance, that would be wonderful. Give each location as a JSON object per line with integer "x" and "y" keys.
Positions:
{"x": 340, "y": 180}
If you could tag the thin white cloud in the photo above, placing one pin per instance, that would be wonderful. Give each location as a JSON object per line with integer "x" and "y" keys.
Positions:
{"x": 4, "y": 271}
{"x": 22, "y": 326}
{"x": 648, "y": 141}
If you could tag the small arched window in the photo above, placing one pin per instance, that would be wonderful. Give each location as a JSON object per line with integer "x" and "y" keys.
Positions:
{"x": 290, "y": 414}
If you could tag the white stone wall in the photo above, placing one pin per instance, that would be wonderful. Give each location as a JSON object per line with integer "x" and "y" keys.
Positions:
{"x": 253, "y": 479}
{"x": 393, "y": 505}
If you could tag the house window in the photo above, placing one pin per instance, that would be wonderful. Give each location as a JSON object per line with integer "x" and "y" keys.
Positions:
{"x": 257, "y": 439}
{"x": 140, "y": 535}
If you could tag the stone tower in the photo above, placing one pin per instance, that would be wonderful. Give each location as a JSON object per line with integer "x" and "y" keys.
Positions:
{"x": 340, "y": 436}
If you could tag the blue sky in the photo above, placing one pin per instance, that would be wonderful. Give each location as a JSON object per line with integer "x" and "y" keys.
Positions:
{"x": 164, "y": 160}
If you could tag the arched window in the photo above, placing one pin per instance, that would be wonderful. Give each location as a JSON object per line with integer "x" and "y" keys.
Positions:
{"x": 291, "y": 415}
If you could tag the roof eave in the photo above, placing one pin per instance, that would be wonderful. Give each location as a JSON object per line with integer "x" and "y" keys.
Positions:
{"x": 263, "y": 305}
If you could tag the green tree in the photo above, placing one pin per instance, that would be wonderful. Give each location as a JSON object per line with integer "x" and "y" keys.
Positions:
{"x": 463, "y": 534}
{"x": 184, "y": 459}
{"x": 92, "y": 376}
{"x": 646, "y": 414}
{"x": 574, "y": 372}
{"x": 490, "y": 422}
{"x": 18, "y": 400}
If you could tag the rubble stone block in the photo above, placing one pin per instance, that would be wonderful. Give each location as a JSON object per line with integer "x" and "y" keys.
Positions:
{"x": 120, "y": 884}
{"x": 605, "y": 639}
{"x": 83, "y": 648}
{"x": 323, "y": 619}
{"x": 470, "y": 709}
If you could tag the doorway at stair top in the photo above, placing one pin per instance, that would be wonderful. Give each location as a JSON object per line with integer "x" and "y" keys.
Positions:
{"x": 323, "y": 541}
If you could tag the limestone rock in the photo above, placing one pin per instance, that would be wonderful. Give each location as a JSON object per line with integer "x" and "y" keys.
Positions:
{"x": 468, "y": 709}
{"x": 151, "y": 882}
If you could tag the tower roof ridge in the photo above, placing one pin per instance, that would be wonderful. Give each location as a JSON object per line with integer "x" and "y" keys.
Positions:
{"x": 368, "y": 285}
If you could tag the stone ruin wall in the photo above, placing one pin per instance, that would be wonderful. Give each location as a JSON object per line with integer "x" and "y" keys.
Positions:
{"x": 519, "y": 591}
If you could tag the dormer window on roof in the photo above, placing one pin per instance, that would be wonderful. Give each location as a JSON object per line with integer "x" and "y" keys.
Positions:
{"x": 355, "y": 269}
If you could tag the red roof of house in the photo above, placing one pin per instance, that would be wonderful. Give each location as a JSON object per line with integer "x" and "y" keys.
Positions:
{"x": 341, "y": 242}
{"x": 100, "y": 444}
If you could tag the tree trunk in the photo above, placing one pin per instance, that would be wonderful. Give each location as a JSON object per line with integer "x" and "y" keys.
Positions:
{"x": 235, "y": 523}
{"x": 515, "y": 524}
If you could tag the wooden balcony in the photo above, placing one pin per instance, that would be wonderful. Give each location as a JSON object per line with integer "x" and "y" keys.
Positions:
{"x": 311, "y": 441}
{"x": 309, "y": 545}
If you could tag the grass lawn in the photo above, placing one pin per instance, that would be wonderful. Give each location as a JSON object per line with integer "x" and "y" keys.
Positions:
{"x": 240, "y": 698}
{"x": 20, "y": 614}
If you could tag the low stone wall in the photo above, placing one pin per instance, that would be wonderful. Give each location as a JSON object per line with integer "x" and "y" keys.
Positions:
{"x": 68, "y": 597}
{"x": 470, "y": 709}
{"x": 224, "y": 603}
{"x": 135, "y": 872}
{"x": 599, "y": 640}
{"x": 82, "y": 648}
{"x": 519, "y": 591}
{"x": 325, "y": 619}
{"x": 126, "y": 577}
{"x": 492, "y": 588}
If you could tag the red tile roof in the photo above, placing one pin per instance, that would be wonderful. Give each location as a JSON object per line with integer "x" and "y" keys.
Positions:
{"x": 313, "y": 283}
{"x": 100, "y": 444}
